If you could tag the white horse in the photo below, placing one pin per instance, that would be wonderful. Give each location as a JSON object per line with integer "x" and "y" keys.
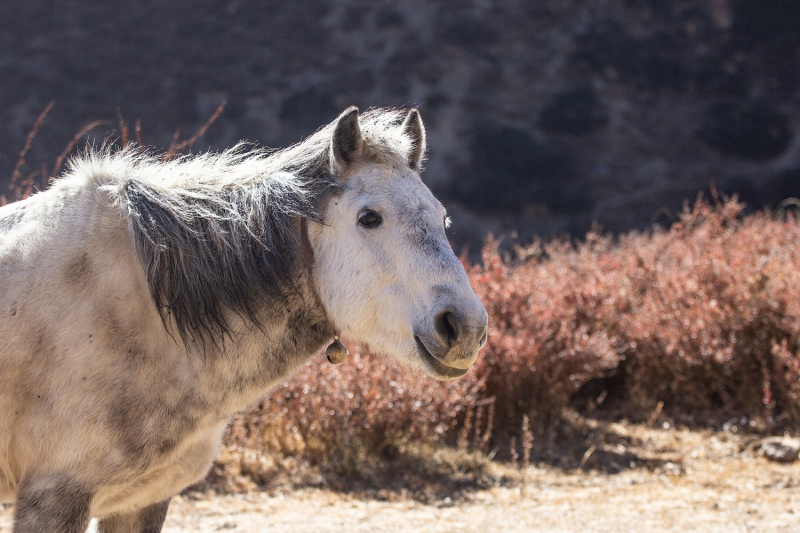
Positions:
{"x": 143, "y": 302}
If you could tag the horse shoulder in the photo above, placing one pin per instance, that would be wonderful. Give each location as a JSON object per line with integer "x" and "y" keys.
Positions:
{"x": 78, "y": 327}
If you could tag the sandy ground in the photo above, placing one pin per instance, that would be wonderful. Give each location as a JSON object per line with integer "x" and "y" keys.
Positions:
{"x": 703, "y": 482}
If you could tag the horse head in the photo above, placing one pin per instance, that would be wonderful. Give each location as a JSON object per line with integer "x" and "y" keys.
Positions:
{"x": 383, "y": 267}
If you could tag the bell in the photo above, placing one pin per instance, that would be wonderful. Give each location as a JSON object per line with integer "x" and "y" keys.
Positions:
{"x": 336, "y": 352}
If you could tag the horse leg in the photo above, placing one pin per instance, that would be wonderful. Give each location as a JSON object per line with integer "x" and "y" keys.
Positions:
{"x": 52, "y": 504}
{"x": 147, "y": 520}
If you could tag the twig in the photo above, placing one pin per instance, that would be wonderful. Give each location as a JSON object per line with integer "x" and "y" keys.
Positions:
{"x": 137, "y": 130}
{"x": 527, "y": 445}
{"x": 587, "y": 455}
{"x": 123, "y": 128}
{"x": 656, "y": 413}
{"x": 202, "y": 131}
{"x": 44, "y": 176}
{"x": 487, "y": 432}
{"x": 513, "y": 449}
{"x": 16, "y": 174}
{"x": 176, "y": 147}
{"x": 527, "y": 442}
{"x": 463, "y": 435}
{"x": 75, "y": 139}
{"x": 476, "y": 436}
{"x": 171, "y": 150}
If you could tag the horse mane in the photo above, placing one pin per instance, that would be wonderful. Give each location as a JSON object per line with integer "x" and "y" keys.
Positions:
{"x": 217, "y": 232}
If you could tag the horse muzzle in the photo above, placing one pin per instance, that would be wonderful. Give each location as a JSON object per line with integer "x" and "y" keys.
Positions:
{"x": 450, "y": 346}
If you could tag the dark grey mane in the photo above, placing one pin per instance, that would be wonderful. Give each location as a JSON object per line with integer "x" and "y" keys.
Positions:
{"x": 226, "y": 237}
{"x": 202, "y": 256}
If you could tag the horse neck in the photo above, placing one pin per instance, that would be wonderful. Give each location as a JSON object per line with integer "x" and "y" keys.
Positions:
{"x": 289, "y": 334}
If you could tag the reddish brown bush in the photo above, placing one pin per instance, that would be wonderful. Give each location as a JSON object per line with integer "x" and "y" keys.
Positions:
{"x": 713, "y": 316}
{"x": 342, "y": 416}
{"x": 703, "y": 317}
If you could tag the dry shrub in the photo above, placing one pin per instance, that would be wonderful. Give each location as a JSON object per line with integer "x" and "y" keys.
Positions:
{"x": 703, "y": 317}
{"x": 340, "y": 417}
{"x": 712, "y": 316}
{"x": 549, "y": 332}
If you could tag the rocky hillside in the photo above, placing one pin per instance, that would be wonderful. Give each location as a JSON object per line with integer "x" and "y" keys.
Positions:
{"x": 543, "y": 116}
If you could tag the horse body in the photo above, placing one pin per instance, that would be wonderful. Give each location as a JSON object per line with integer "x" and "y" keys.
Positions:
{"x": 143, "y": 303}
{"x": 84, "y": 349}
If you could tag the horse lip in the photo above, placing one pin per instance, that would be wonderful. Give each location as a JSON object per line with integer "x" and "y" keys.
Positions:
{"x": 435, "y": 367}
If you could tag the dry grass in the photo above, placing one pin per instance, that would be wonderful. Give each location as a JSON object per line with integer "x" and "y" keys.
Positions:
{"x": 682, "y": 480}
{"x": 637, "y": 478}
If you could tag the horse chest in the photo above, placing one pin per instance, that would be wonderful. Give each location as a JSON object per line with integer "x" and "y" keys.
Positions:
{"x": 138, "y": 487}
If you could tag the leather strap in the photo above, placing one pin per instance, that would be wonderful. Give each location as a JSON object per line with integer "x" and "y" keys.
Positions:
{"x": 308, "y": 251}
{"x": 308, "y": 259}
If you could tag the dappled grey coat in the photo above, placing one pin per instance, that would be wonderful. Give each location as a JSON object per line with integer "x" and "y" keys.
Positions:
{"x": 143, "y": 302}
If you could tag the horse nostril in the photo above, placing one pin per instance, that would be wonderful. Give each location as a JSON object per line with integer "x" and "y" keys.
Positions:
{"x": 482, "y": 342}
{"x": 447, "y": 326}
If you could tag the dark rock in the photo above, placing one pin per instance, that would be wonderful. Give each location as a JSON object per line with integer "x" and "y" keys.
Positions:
{"x": 660, "y": 70}
{"x": 437, "y": 100}
{"x": 353, "y": 84}
{"x": 766, "y": 191}
{"x": 574, "y": 111}
{"x": 458, "y": 28}
{"x": 353, "y": 18}
{"x": 757, "y": 22}
{"x": 408, "y": 61}
{"x": 786, "y": 185}
{"x": 389, "y": 17}
{"x": 510, "y": 169}
{"x": 307, "y": 110}
{"x": 781, "y": 449}
{"x": 665, "y": 59}
{"x": 608, "y": 48}
{"x": 748, "y": 129}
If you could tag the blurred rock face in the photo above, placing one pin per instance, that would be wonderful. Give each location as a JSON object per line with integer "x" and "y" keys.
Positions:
{"x": 542, "y": 116}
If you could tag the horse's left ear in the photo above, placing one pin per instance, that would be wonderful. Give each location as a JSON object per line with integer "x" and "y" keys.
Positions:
{"x": 347, "y": 143}
{"x": 413, "y": 127}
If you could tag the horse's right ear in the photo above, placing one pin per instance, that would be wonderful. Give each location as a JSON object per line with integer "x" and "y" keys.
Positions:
{"x": 412, "y": 126}
{"x": 347, "y": 143}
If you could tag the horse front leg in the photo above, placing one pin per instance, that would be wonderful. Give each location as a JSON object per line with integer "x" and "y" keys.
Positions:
{"x": 52, "y": 504}
{"x": 147, "y": 520}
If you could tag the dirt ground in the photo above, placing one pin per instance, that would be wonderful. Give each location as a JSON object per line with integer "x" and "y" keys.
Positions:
{"x": 669, "y": 480}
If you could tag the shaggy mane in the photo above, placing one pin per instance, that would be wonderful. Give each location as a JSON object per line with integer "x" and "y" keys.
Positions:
{"x": 217, "y": 232}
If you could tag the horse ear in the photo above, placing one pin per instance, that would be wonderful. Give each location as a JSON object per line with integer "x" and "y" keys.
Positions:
{"x": 347, "y": 142}
{"x": 413, "y": 127}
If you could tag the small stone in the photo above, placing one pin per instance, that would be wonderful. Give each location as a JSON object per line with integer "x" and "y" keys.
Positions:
{"x": 781, "y": 449}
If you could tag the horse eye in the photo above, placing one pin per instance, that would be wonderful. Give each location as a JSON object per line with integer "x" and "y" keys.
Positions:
{"x": 369, "y": 219}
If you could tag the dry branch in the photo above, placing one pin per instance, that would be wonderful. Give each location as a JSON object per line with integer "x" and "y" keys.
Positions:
{"x": 176, "y": 147}
{"x": 71, "y": 144}
{"x": 17, "y": 173}
{"x": 123, "y": 128}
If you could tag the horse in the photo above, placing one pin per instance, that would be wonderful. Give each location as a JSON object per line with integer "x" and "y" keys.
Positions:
{"x": 143, "y": 302}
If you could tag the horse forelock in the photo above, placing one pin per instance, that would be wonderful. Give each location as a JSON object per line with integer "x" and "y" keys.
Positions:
{"x": 216, "y": 233}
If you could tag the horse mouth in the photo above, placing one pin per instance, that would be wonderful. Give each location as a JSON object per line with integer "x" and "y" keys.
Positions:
{"x": 436, "y": 368}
